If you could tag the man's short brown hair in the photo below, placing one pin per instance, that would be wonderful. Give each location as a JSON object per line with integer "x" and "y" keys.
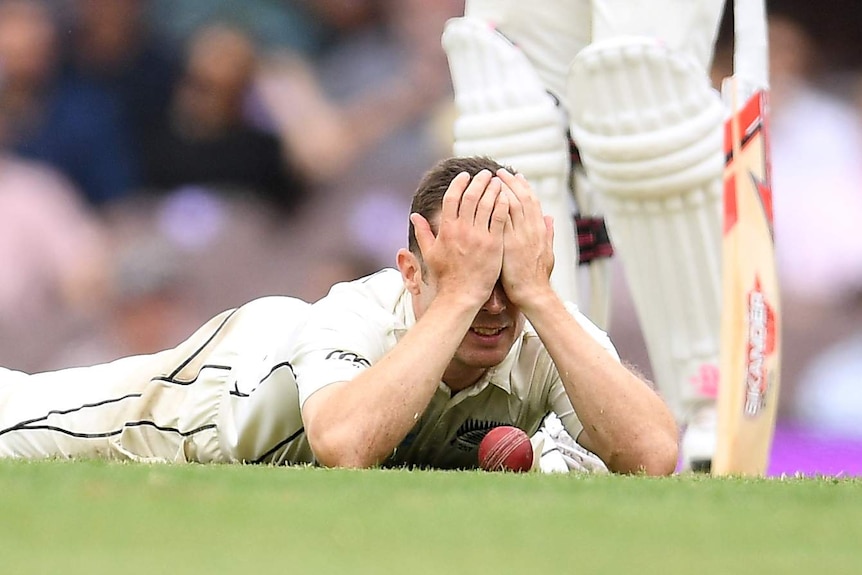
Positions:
{"x": 428, "y": 199}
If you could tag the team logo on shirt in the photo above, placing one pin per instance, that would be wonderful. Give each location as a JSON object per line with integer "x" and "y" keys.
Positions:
{"x": 472, "y": 432}
{"x": 356, "y": 359}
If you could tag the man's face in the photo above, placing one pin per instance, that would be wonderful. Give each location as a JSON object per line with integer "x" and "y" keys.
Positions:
{"x": 491, "y": 335}
{"x": 27, "y": 44}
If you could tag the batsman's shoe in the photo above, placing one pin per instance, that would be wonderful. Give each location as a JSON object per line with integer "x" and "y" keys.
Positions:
{"x": 699, "y": 439}
{"x": 558, "y": 452}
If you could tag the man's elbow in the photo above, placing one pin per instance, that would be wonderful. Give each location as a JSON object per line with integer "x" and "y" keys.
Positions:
{"x": 658, "y": 456}
{"x": 342, "y": 459}
{"x": 661, "y": 461}
{"x": 335, "y": 440}
{"x": 334, "y": 449}
{"x": 654, "y": 456}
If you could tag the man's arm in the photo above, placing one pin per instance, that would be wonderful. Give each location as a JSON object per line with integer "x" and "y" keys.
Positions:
{"x": 358, "y": 423}
{"x": 625, "y": 422}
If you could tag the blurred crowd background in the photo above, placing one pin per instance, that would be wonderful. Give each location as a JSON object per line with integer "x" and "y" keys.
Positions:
{"x": 164, "y": 160}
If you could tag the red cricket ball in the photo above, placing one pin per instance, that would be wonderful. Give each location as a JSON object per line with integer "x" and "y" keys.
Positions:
{"x": 506, "y": 448}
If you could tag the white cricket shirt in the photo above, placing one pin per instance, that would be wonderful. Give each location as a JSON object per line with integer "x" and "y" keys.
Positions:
{"x": 358, "y": 322}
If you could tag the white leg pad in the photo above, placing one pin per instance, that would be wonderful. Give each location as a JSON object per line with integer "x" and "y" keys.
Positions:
{"x": 504, "y": 112}
{"x": 649, "y": 128}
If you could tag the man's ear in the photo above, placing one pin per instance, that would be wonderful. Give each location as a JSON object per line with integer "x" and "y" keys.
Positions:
{"x": 411, "y": 270}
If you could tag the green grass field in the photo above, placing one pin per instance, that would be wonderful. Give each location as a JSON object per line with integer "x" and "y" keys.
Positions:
{"x": 69, "y": 518}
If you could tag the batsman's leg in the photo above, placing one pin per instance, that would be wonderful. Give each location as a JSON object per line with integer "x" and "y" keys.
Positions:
{"x": 649, "y": 128}
{"x": 527, "y": 72}
{"x": 506, "y": 112}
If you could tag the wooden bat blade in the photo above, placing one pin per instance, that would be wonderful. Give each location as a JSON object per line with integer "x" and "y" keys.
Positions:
{"x": 750, "y": 318}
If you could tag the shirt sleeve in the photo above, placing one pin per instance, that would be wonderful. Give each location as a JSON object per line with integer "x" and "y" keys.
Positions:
{"x": 593, "y": 330}
{"x": 343, "y": 337}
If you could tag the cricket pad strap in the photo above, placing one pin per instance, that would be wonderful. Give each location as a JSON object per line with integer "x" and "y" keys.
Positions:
{"x": 505, "y": 112}
{"x": 593, "y": 239}
{"x": 649, "y": 129}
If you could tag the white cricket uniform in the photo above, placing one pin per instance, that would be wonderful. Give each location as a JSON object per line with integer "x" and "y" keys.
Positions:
{"x": 229, "y": 393}
{"x": 359, "y": 322}
{"x": 225, "y": 394}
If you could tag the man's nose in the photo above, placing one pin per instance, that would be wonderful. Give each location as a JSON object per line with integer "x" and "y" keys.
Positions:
{"x": 497, "y": 302}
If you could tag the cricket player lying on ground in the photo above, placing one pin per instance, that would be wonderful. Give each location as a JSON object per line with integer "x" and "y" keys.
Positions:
{"x": 406, "y": 368}
{"x": 628, "y": 82}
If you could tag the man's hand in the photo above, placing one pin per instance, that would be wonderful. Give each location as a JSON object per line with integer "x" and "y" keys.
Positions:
{"x": 466, "y": 256}
{"x": 528, "y": 243}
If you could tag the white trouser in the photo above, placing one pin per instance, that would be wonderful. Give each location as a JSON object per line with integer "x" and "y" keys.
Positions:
{"x": 225, "y": 394}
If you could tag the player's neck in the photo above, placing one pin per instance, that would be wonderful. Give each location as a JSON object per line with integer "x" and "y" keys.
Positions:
{"x": 460, "y": 377}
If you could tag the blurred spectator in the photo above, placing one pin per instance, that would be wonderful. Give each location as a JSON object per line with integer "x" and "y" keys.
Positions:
{"x": 290, "y": 24}
{"x": 70, "y": 124}
{"x": 817, "y": 180}
{"x": 817, "y": 160}
{"x": 821, "y": 134}
{"x": 360, "y": 109}
{"x": 111, "y": 45}
{"x": 333, "y": 267}
{"x": 52, "y": 260}
{"x": 816, "y": 143}
{"x": 147, "y": 307}
{"x": 829, "y": 397}
{"x": 361, "y": 118}
{"x": 205, "y": 139}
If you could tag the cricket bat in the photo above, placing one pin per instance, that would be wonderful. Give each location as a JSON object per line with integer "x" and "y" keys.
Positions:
{"x": 750, "y": 316}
